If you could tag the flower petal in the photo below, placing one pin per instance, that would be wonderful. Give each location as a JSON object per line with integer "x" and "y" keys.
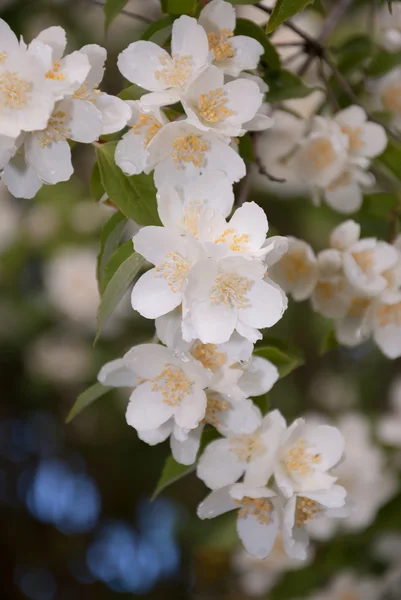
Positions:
{"x": 216, "y": 503}
{"x": 52, "y": 163}
{"x": 152, "y": 296}
{"x": 148, "y": 360}
{"x": 259, "y": 377}
{"x": 217, "y": 15}
{"x": 97, "y": 57}
{"x": 251, "y": 219}
{"x": 266, "y": 306}
{"x": 140, "y": 62}
{"x": 191, "y": 409}
{"x": 116, "y": 374}
{"x": 115, "y": 113}
{"x": 184, "y": 452}
{"x": 158, "y": 435}
{"x": 147, "y": 409}
{"x": 258, "y": 536}
{"x": 188, "y": 38}
{"x": 21, "y": 178}
{"x": 84, "y": 120}
{"x": 219, "y": 465}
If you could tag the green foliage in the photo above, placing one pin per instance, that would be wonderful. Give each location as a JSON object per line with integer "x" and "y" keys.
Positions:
{"x": 97, "y": 189}
{"x": 245, "y": 148}
{"x": 112, "y": 9}
{"x": 391, "y": 158}
{"x": 135, "y": 196}
{"x": 381, "y": 205}
{"x": 163, "y": 25}
{"x": 180, "y": 7}
{"x": 132, "y": 92}
{"x": 281, "y": 354}
{"x": 283, "y": 10}
{"x": 95, "y": 391}
{"x": 249, "y": 28}
{"x": 284, "y": 85}
{"x": 109, "y": 240}
{"x": 382, "y": 62}
{"x": 125, "y": 270}
{"x": 353, "y": 53}
{"x": 243, "y": 1}
{"x": 329, "y": 342}
{"x": 117, "y": 258}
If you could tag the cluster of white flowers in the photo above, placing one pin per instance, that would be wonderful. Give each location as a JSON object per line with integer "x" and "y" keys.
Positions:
{"x": 47, "y": 99}
{"x": 356, "y": 282}
{"x": 330, "y": 155}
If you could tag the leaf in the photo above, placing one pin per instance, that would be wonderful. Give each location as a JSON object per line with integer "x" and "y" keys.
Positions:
{"x": 283, "y": 10}
{"x": 116, "y": 288}
{"x": 381, "y": 205}
{"x": 391, "y": 158}
{"x": 135, "y": 196}
{"x": 329, "y": 342}
{"x": 280, "y": 354}
{"x": 245, "y": 148}
{"x": 119, "y": 256}
{"x": 180, "y": 7}
{"x": 112, "y": 9}
{"x": 174, "y": 471}
{"x": 165, "y": 23}
{"x": 382, "y": 62}
{"x": 95, "y": 391}
{"x": 354, "y": 52}
{"x": 250, "y": 29}
{"x": 284, "y": 85}
{"x": 132, "y": 92}
{"x": 97, "y": 189}
{"x": 109, "y": 240}
{"x": 390, "y": 5}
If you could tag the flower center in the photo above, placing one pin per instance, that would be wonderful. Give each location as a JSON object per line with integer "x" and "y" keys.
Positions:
{"x": 231, "y": 290}
{"x": 306, "y": 510}
{"x": 87, "y": 93}
{"x": 391, "y": 98}
{"x": 358, "y": 306}
{"x": 354, "y": 135}
{"x": 190, "y": 148}
{"x": 3, "y": 56}
{"x": 260, "y": 508}
{"x": 294, "y": 264}
{"x": 174, "y": 270}
{"x": 247, "y": 446}
{"x": 326, "y": 290}
{"x": 321, "y": 153}
{"x": 208, "y": 355}
{"x": 175, "y": 72}
{"x": 389, "y": 314}
{"x": 55, "y": 130}
{"x": 14, "y": 91}
{"x": 212, "y": 106}
{"x": 364, "y": 259}
{"x": 215, "y": 406}
{"x": 218, "y": 42}
{"x": 344, "y": 180}
{"x": 172, "y": 384}
{"x": 190, "y": 219}
{"x": 55, "y": 73}
{"x": 299, "y": 460}
{"x": 150, "y": 124}
{"x": 236, "y": 242}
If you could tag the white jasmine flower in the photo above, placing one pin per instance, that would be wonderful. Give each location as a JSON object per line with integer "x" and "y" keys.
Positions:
{"x": 304, "y": 456}
{"x": 132, "y": 150}
{"x": 230, "y": 294}
{"x": 180, "y": 208}
{"x": 347, "y": 585}
{"x": 257, "y": 517}
{"x": 211, "y": 104}
{"x": 232, "y": 53}
{"x": 331, "y": 297}
{"x": 148, "y": 65}
{"x": 346, "y": 234}
{"x": 26, "y": 97}
{"x": 225, "y": 461}
{"x": 181, "y": 151}
{"x": 387, "y": 90}
{"x": 262, "y": 120}
{"x": 168, "y": 387}
{"x": 389, "y": 425}
{"x": 302, "y": 508}
{"x": 385, "y": 313}
{"x": 161, "y": 289}
{"x": 297, "y": 272}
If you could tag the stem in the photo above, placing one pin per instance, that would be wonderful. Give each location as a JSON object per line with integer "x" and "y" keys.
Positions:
{"x": 127, "y": 13}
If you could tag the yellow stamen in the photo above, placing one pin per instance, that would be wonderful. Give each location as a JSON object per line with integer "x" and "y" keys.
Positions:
{"x": 190, "y": 148}
{"x": 174, "y": 270}
{"x": 218, "y": 42}
{"x": 212, "y": 106}
{"x": 14, "y": 91}
{"x": 231, "y": 290}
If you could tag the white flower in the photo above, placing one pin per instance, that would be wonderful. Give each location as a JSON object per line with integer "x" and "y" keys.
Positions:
{"x": 232, "y": 53}
{"x": 391, "y": 28}
{"x": 389, "y": 425}
{"x": 304, "y": 456}
{"x": 297, "y": 272}
{"x": 211, "y": 104}
{"x": 148, "y": 65}
{"x": 388, "y": 89}
{"x": 180, "y": 152}
{"x": 385, "y": 313}
{"x": 257, "y": 517}
{"x": 262, "y": 120}
{"x": 331, "y": 296}
{"x": 230, "y": 294}
{"x": 26, "y": 97}
{"x": 161, "y": 289}
{"x": 352, "y": 586}
{"x": 132, "y": 150}
{"x": 302, "y": 508}
{"x": 224, "y": 461}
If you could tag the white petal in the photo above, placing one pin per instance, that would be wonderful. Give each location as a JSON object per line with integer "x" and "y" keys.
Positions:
{"x": 345, "y": 199}
{"x": 97, "y": 57}
{"x": 155, "y": 242}
{"x": 353, "y": 116}
{"x": 219, "y": 465}
{"x": 266, "y": 306}
{"x": 184, "y": 452}
{"x": 152, "y": 296}
{"x": 244, "y": 100}
{"x": 215, "y": 188}
{"x": 8, "y": 39}
{"x": 189, "y": 39}
{"x": 52, "y": 163}
{"x": 352, "y": 330}
{"x": 20, "y": 178}
{"x": 85, "y": 121}
{"x": 75, "y": 68}
{"x": 7, "y": 148}
{"x": 215, "y": 504}
{"x": 55, "y": 37}
{"x": 251, "y": 219}
{"x": 247, "y": 52}
{"x": 388, "y": 338}
{"x": 259, "y": 377}
{"x": 131, "y": 155}
{"x": 329, "y": 443}
{"x": 221, "y": 157}
{"x": 374, "y": 139}
{"x": 242, "y": 418}
{"x": 115, "y": 113}
{"x": 156, "y": 436}
{"x": 116, "y": 374}
{"x": 332, "y": 498}
{"x": 140, "y": 62}
{"x": 217, "y": 15}
{"x": 213, "y": 323}
{"x": 191, "y": 409}
{"x": 258, "y": 537}
{"x": 148, "y": 360}
{"x": 147, "y": 408}
{"x": 345, "y": 235}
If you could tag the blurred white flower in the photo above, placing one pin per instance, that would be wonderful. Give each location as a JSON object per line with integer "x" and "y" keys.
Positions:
{"x": 389, "y": 425}
{"x": 347, "y": 586}
{"x": 391, "y": 27}
{"x": 297, "y": 272}
{"x": 60, "y": 359}
{"x": 387, "y": 91}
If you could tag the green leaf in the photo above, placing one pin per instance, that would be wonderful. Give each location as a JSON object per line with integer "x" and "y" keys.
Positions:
{"x": 132, "y": 92}
{"x": 118, "y": 257}
{"x": 117, "y": 286}
{"x": 250, "y": 29}
{"x": 109, "y": 240}
{"x": 243, "y": 1}
{"x": 174, "y": 471}
{"x": 382, "y": 62}
{"x": 94, "y": 392}
{"x": 283, "y": 10}
{"x": 180, "y": 7}
{"x": 135, "y": 196}
{"x": 96, "y": 186}
{"x": 381, "y": 205}
{"x": 245, "y": 148}
{"x": 112, "y": 9}
{"x": 284, "y": 85}
{"x": 280, "y": 354}
{"x": 391, "y": 158}
{"x": 329, "y": 342}
{"x": 163, "y": 25}
{"x": 355, "y": 51}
